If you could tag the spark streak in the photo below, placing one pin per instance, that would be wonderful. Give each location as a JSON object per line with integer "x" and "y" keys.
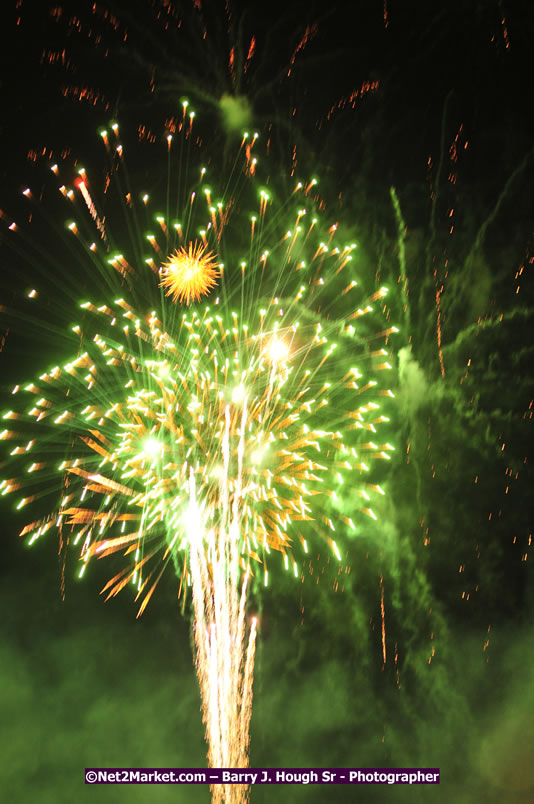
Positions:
{"x": 219, "y": 589}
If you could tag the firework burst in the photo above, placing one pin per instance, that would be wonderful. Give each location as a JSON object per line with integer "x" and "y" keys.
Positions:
{"x": 215, "y": 438}
{"x": 189, "y": 273}
{"x": 146, "y": 393}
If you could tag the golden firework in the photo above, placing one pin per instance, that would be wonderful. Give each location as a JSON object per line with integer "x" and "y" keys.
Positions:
{"x": 189, "y": 273}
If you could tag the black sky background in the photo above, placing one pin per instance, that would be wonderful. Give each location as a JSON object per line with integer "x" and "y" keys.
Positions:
{"x": 444, "y": 124}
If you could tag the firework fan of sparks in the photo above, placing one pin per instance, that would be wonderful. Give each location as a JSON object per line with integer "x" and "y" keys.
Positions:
{"x": 145, "y": 399}
{"x": 216, "y": 436}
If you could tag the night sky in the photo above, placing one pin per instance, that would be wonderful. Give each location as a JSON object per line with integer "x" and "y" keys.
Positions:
{"x": 416, "y": 118}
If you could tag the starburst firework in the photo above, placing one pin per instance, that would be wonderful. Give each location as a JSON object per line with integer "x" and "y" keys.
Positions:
{"x": 147, "y": 393}
{"x": 189, "y": 273}
{"x": 215, "y": 438}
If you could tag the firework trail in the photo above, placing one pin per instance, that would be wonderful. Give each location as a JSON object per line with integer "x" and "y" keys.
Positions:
{"x": 224, "y": 666}
{"x": 235, "y": 418}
